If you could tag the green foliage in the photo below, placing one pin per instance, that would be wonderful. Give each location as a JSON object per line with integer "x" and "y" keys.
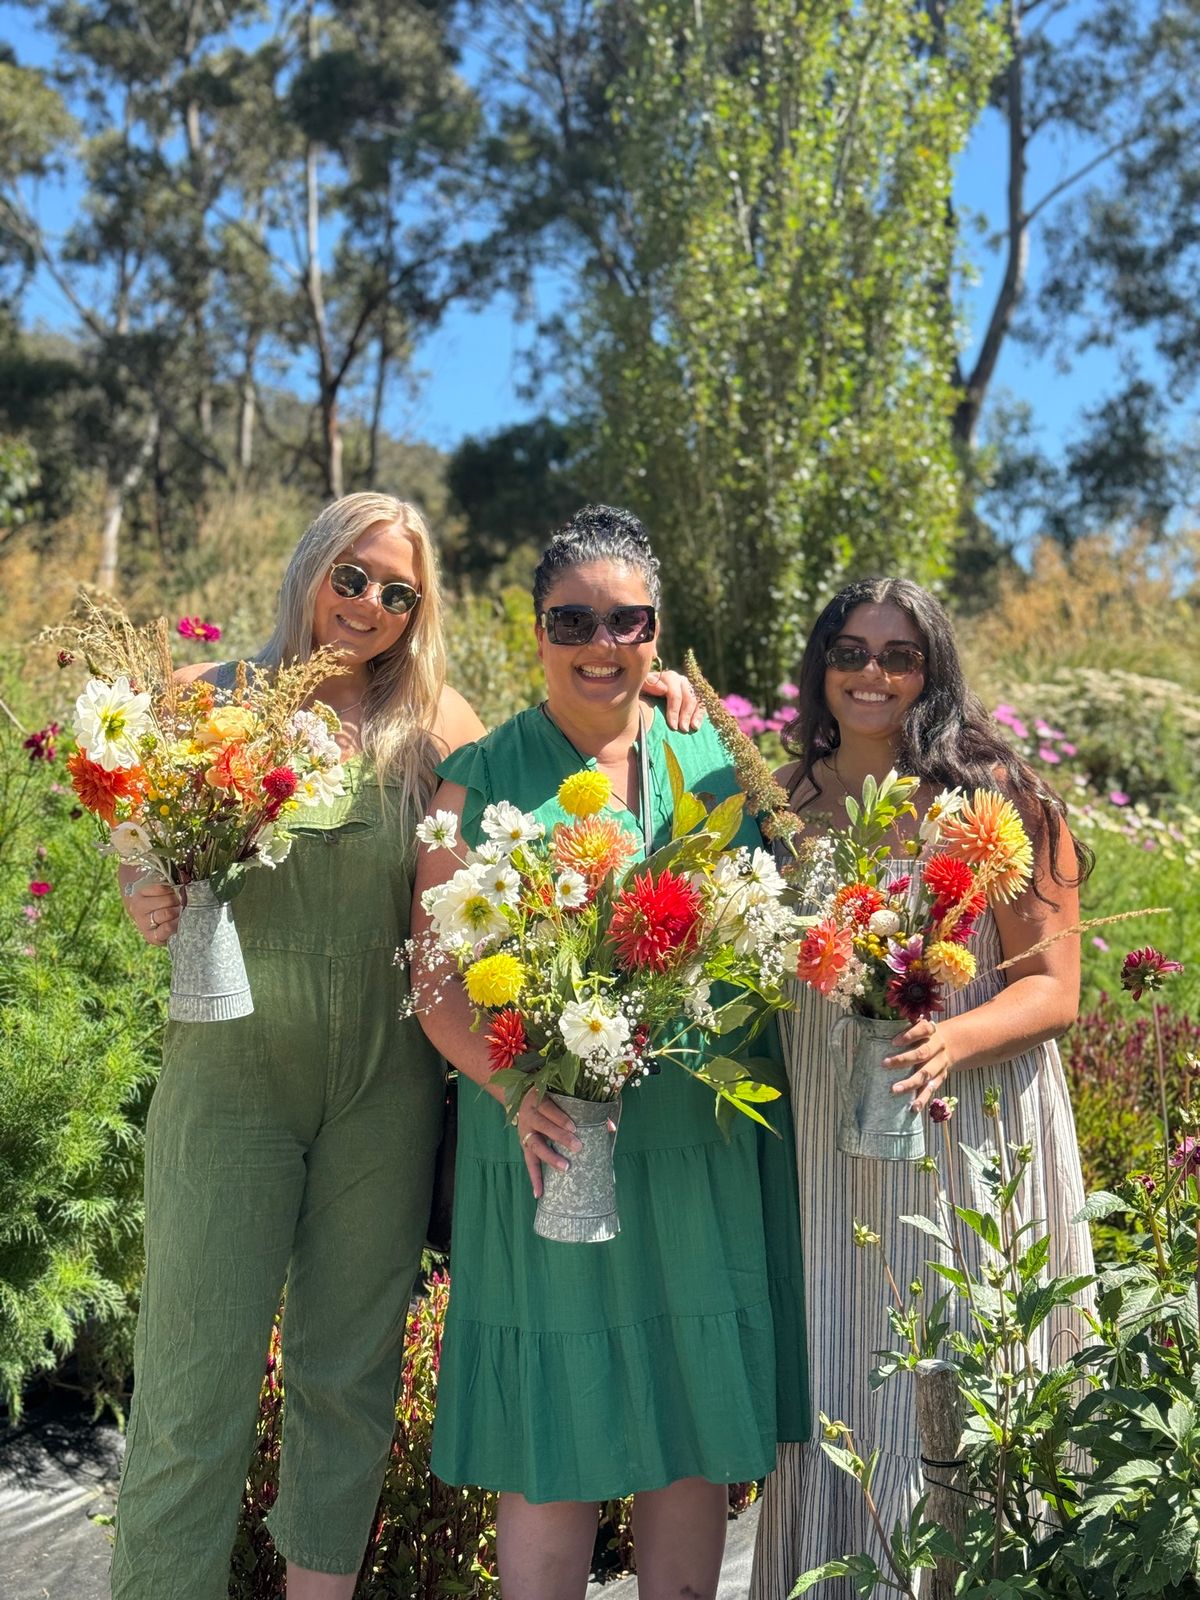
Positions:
{"x": 766, "y": 334}
{"x": 492, "y": 654}
{"x": 81, "y": 1000}
{"x": 1083, "y": 1478}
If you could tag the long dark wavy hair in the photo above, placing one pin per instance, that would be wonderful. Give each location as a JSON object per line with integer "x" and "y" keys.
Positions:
{"x": 948, "y": 738}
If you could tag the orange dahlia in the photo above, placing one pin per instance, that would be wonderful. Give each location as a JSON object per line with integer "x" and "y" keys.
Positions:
{"x": 654, "y": 920}
{"x": 989, "y": 834}
{"x": 856, "y": 903}
{"x": 99, "y": 791}
{"x": 824, "y": 955}
{"x": 233, "y": 770}
{"x": 593, "y": 847}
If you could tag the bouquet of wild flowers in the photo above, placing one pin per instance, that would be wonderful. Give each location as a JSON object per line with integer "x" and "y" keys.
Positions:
{"x": 891, "y": 950}
{"x": 587, "y": 971}
{"x": 196, "y": 783}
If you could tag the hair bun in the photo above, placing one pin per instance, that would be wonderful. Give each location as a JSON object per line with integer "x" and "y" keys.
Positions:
{"x": 607, "y": 521}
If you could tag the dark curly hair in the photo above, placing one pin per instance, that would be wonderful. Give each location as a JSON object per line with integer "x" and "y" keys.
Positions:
{"x": 597, "y": 533}
{"x": 948, "y": 738}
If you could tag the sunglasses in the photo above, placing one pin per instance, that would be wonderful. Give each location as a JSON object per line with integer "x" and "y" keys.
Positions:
{"x": 352, "y": 583}
{"x": 578, "y": 624}
{"x": 897, "y": 660}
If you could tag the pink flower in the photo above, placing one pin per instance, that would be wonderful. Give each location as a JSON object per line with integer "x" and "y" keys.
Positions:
{"x": 39, "y": 887}
{"x": 1118, "y": 797}
{"x": 737, "y": 705}
{"x": 32, "y": 913}
{"x": 1052, "y": 756}
{"x": 788, "y": 691}
{"x": 197, "y": 628}
{"x": 1187, "y": 1155}
{"x": 1004, "y": 713}
{"x": 941, "y": 1110}
{"x": 1146, "y": 968}
{"x": 1100, "y": 943}
{"x": 901, "y": 956}
{"x": 1067, "y": 748}
{"x": 1045, "y": 731}
{"x": 1019, "y": 728}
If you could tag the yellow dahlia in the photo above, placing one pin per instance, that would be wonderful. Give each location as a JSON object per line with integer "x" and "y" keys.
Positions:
{"x": 593, "y": 847}
{"x": 584, "y": 793}
{"x": 988, "y": 833}
{"x": 950, "y": 963}
{"x": 495, "y": 980}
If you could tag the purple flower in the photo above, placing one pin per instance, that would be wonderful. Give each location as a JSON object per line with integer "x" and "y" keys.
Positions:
{"x": 1099, "y": 942}
{"x": 1118, "y": 797}
{"x": 1187, "y": 1155}
{"x": 1052, "y": 756}
{"x": 1146, "y": 968}
{"x": 901, "y": 956}
{"x": 41, "y": 744}
{"x": 941, "y": 1110}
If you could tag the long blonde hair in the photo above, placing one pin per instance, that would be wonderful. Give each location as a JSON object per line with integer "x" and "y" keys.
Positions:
{"x": 401, "y": 703}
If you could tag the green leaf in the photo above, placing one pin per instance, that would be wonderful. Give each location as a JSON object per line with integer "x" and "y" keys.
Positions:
{"x": 228, "y": 882}
{"x": 1100, "y": 1204}
{"x": 689, "y": 813}
{"x": 980, "y": 1222}
{"x": 756, "y": 1093}
{"x": 927, "y": 1225}
{"x": 725, "y": 820}
{"x": 674, "y": 774}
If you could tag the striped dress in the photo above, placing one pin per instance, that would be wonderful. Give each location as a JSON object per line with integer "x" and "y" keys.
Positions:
{"x": 813, "y": 1512}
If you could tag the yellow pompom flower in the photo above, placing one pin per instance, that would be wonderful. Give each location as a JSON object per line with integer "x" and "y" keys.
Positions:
{"x": 495, "y": 980}
{"x": 585, "y": 793}
{"x": 950, "y": 963}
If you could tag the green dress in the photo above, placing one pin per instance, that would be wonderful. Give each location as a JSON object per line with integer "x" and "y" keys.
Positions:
{"x": 586, "y": 1371}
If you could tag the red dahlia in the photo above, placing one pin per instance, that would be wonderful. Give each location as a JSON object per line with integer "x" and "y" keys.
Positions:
{"x": 506, "y": 1039}
{"x": 949, "y": 879}
{"x": 280, "y": 783}
{"x": 654, "y": 920}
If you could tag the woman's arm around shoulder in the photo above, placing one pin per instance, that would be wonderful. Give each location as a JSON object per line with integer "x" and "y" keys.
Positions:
{"x": 455, "y": 723}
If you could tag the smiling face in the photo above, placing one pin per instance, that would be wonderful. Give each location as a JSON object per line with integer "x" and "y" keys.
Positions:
{"x": 870, "y": 703}
{"x": 599, "y": 678}
{"x": 360, "y": 628}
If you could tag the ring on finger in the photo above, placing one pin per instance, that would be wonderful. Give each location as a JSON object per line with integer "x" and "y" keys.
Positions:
{"x": 153, "y": 923}
{"x": 525, "y": 1138}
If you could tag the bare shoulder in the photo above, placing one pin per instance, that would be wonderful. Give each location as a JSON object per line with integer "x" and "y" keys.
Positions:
{"x": 195, "y": 670}
{"x": 455, "y": 722}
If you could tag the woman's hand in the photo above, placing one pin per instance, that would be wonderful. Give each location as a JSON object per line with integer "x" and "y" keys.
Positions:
{"x": 683, "y": 710}
{"x": 153, "y": 905}
{"x": 923, "y": 1053}
{"x": 539, "y": 1121}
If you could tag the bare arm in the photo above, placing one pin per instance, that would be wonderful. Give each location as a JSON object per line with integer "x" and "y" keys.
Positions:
{"x": 446, "y": 1013}
{"x": 455, "y": 723}
{"x": 1039, "y": 1001}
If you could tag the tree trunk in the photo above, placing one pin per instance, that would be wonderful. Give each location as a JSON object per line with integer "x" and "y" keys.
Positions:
{"x": 119, "y": 490}
{"x": 939, "y": 1427}
{"x": 331, "y": 438}
{"x": 381, "y": 367}
{"x": 247, "y": 410}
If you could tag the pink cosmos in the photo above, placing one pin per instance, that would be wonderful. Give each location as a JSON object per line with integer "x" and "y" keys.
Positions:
{"x": 1004, "y": 713}
{"x": 1187, "y": 1155}
{"x": 1019, "y": 728}
{"x": 788, "y": 691}
{"x": 1067, "y": 748}
{"x": 32, "y": 913}
{"x": 737, "y": 705}
{"x": 197, "y": 628}
{"x": 1118, "y": 797}
{"x": 1052, "y": 756}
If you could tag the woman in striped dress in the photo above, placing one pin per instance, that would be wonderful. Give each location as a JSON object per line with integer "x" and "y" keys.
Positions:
{"x": 881, "y": 687}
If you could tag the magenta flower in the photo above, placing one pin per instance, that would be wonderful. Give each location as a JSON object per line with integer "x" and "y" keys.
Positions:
{"x": 1118, "y": 797}
{"x": 197, "y": 628}
{"x": 1067, "y": 748}
{"x": 1047, "y": 754}
{"x": 65, "y": 658}
{"x": 1146, "y": 968}
{"x": 941, "y": 1110}
{"x": 39, "y": 887}
{"x": 1100, "y": 942}
{"x": 737, "y": 705}
{"x": 902, "y": 956}
{"x": 1187, "y": 1156}
{"x": 41, "y": 744}
{"x": 788, "y": 691}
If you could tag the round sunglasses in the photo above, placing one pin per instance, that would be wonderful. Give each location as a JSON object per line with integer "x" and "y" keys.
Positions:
{"x": 352, "y": 583}
{"x": 896, "y": 660}
{"x": 578, "y": 624}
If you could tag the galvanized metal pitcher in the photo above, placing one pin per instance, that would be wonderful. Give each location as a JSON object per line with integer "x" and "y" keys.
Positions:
{"x": 208, "y": 975}
{"x": 579, "y": 1206}
{"x": 873, "y": 1123}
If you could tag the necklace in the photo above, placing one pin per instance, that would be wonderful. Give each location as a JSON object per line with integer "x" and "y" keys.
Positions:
{"x": 645, "y": 804}
{"x": 895, "y": 828}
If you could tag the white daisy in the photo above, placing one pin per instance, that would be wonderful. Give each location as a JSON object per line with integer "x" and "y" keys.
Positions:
{"x": 588, "y": 1029}
{"x": 489, "y": 853}
{"x": 570, "y": 890}
{"x": 461, "y": 909}
{"x": 945, "y": 805}
{"x": 501, "y": 883}
{"x": 109, "y": 721}
{"x": 509, "y": 826}
{"x": 440, "y": 831}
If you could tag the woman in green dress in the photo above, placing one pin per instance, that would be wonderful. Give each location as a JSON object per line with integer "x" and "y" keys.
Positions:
{"x": 664, "y": 1363}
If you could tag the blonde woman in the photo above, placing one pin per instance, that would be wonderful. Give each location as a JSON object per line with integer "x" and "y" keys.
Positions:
{"x": 298, "y": 1142}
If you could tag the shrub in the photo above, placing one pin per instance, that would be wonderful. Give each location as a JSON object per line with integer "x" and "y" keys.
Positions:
{"x": 81, "y": 1000}
{"x": 492, "y": 658}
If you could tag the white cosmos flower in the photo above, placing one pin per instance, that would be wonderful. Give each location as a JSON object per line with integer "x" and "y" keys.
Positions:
{"x": 509, "y": 826}
{"x": 319, "y": 787}
{"x": 440, "y": 831}
{"x": 316, "y": 737}
{"x": 763, "y": 879}
{"x": 109, "y": 721}
{"x": 461, "y": 909}
{"x": 945, "y": 805}
{"x": 272, "y": 845}
{"x": 500, "y": 883}
{"x": 570, "y": 890}
{"x": 489, "y": 853}
{"x": 130, "y": 839}
{"x": 588, "y": 1029}
{"x": 884, "y": 923}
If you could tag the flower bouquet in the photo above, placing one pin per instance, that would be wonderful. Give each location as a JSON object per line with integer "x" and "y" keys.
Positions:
{"x": 589, "y": 972}
{"x": 197, "y": 785}
{"x": 887, "y": 951}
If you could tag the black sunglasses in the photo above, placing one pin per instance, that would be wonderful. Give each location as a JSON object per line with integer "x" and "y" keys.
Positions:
{"x": 897, "y": 660}
{"x": 352, "y": 583}
{"x": 577, "y": 624}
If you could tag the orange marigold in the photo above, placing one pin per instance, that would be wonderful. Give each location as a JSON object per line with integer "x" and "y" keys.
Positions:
{"x": 988, "y": 833}
{"x": 593, "y": 847}
{"x": 99, "y": 791}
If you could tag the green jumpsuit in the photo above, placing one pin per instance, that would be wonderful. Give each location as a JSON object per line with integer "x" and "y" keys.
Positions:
{"x": 294, "y": 1143}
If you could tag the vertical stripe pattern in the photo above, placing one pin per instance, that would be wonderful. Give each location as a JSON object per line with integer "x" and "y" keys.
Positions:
{"x": 813, "y": 1512}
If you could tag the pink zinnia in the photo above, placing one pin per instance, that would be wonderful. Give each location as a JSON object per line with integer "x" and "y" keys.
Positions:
{"x": 39, "y": 887}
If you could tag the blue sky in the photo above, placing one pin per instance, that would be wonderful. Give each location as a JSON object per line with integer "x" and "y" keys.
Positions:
{"x": 471, "y": 367}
